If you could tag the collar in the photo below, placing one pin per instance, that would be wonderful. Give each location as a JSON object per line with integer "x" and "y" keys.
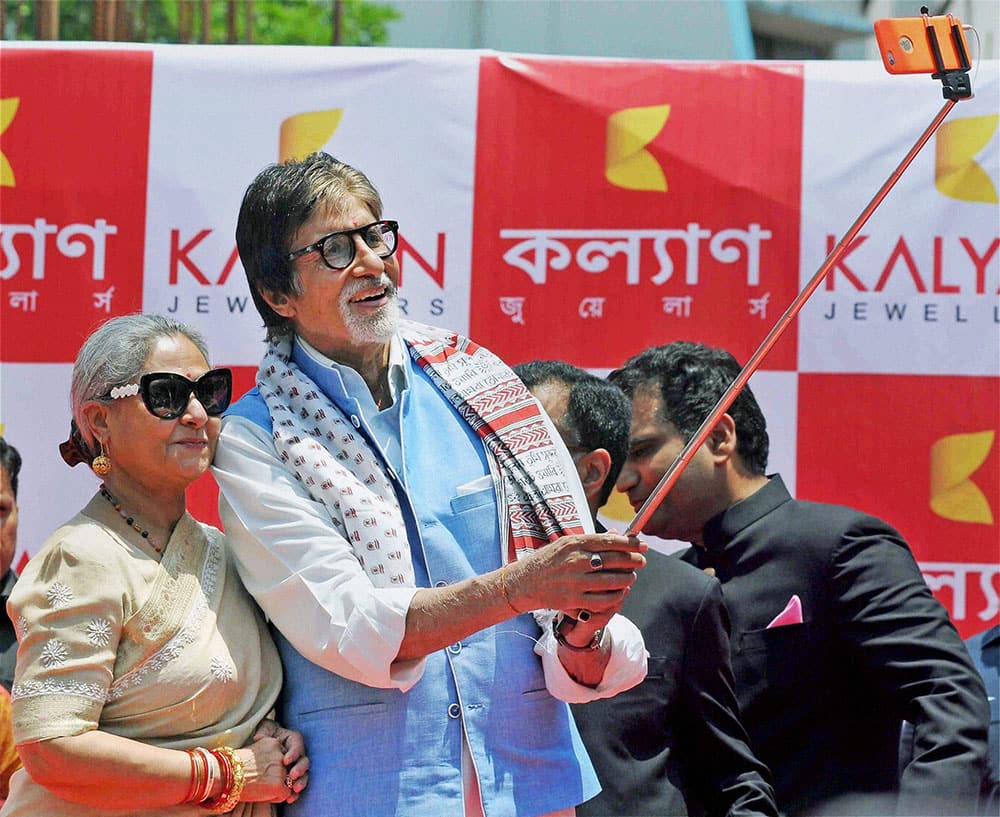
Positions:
{"x": 723, "y": 528}
{"x": 310, "y": 358}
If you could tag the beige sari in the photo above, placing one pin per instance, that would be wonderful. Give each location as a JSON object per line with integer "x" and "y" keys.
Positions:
{"x": 173, "y": 653}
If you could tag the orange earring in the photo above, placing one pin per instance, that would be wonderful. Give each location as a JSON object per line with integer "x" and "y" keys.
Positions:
{"x": 101, "y": 464}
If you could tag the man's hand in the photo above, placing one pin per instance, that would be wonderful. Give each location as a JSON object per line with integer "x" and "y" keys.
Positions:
{"x": 591, "y": 572}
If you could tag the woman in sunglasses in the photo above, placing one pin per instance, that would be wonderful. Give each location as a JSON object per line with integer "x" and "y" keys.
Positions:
{"x": 145, "y": 674}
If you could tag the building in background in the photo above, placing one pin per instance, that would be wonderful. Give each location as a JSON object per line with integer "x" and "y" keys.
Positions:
{"x": 635, "y": 29}
{"x": 671, "y": 29}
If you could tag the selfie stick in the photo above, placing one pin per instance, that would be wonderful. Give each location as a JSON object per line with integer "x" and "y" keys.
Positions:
{"x": 680, "y": 463}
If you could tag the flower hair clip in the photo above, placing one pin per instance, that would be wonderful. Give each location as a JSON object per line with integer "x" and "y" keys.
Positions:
{"x": 130, "y": 390}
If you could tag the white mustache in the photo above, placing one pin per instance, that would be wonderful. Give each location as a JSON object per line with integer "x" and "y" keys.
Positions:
{"x": 353, "y": 287}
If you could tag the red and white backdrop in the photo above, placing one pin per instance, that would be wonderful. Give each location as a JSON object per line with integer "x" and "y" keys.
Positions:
{"x": 578, "y": 209}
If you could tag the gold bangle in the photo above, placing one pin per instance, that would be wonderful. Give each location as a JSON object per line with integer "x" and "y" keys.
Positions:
{"x": 503, "y": 588}
{"x": 228, "y": 800}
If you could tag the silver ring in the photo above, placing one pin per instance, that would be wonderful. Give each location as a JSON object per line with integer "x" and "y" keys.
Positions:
{"x": 288, "y": 781}
{"x": 583, "y": 615}
{"x": 596, "y": 562}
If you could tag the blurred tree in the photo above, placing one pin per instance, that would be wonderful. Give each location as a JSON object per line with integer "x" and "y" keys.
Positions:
{"x": 271, "y": 22}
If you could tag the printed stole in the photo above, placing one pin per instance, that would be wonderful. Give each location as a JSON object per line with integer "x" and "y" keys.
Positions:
{"x": 333, "y": 460}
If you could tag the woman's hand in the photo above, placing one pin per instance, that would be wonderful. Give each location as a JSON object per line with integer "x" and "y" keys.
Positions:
{"x": 295, "y": 763}
{"x": 264, "y": 768}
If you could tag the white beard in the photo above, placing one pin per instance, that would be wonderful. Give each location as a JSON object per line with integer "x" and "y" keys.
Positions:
{"x": 377, "y": 328}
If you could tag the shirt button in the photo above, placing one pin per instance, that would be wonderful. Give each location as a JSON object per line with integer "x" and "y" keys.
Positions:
{"x": 454, "y": 710}
{"x": 392, "y": 473}
{"x": 455, "y": 648}
{"x": 441, "y": 584}
{"x": 356, "y": 421}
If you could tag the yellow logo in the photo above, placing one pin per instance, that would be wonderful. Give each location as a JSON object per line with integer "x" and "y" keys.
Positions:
{"x": 627, "y": 163}
{"x": 8, "y": 109}
{"x": 307, "y": 132}
{"x": 957, "y": 174}
{"x": 954, "y": 459}
{"x": 618, "y": 507}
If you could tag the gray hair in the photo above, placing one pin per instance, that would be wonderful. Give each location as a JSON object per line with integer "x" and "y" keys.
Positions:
{"x": 276, "y": 204}
{"x": 114, "y": 355}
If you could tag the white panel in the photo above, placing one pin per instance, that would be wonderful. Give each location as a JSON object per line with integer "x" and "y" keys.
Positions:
{"x": 34, "y": 410}
{"x": 778, "y": 396}
{"x": 409, "y": 123}
{"x": 859, "y": 123}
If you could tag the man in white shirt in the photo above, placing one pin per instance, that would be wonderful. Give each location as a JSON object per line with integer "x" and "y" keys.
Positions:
{"x": 408, "y": 518}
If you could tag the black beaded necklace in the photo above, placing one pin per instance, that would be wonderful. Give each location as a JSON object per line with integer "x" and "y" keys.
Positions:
{"x": 130, "y": 520}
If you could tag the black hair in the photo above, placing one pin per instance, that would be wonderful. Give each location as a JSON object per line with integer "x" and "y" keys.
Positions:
{"x": 10, "y": 461}
{"x": 691, "y": 379}
{"x": 597, "y": 412}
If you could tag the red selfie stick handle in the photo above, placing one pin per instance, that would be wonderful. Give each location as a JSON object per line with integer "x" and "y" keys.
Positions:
{"x": 680, "y": 463}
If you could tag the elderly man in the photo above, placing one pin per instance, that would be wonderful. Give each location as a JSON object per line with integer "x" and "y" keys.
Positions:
{"x": 399, "y": 505}
{"x": 673, "y": 745}
{"x": 836, "y": 637}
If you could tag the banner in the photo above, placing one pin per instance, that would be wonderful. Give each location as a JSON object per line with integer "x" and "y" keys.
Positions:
{"x": 571, "y": 208}
{"x": 654, "y": 196}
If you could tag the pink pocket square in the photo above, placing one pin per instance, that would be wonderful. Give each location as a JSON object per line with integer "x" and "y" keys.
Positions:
{"x": 792, "y": 614}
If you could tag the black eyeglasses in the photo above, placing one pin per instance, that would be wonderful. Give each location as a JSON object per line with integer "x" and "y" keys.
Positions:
{"x": 166, "y": 394}
{"x": 338, "y": 249}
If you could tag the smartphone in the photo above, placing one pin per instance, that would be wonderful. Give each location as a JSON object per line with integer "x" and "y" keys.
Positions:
{"x": 904, "y": 44}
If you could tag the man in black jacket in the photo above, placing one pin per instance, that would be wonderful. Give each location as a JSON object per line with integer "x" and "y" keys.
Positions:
{"x": 836, "y": 638}
{"x": 10, "y": 467}
{"x": 672, "y": 745}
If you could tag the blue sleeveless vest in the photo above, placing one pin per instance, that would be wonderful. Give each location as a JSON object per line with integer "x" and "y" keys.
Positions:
{"x": 381, "y": 752}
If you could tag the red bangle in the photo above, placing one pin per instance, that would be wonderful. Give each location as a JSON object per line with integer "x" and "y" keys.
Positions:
{"x": 193, "y": 780}
{"x": 207, "y": 779}
{"x": 201, "y": 776}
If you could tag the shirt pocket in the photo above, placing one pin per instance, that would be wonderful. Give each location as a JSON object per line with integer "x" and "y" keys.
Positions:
{"x": 656, "y": 667}
{"x": 775, "y": 658}
{"x": 659, "y": 686}
{"x": 474, "y": 515}
{"x": 345, "y": 711}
